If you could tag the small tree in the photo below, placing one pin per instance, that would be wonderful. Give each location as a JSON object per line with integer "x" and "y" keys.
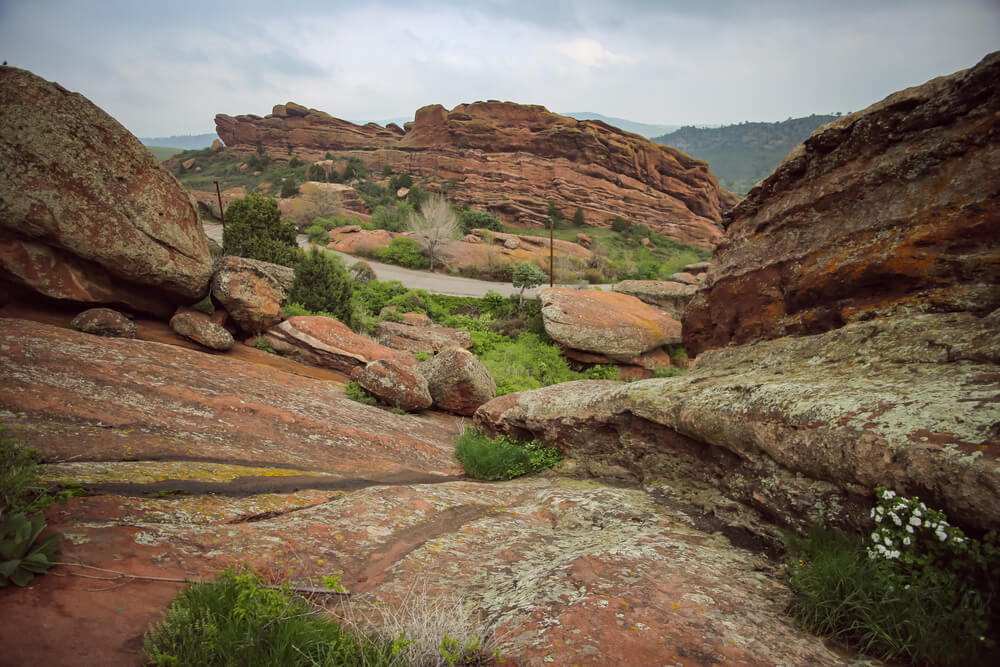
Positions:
{"x": 289, "y": 188}
{"x": 254, "y": 229}
{"x": 322, "y": 284}
{"x": 527, "y": 275}
{"x": 316, "y": 200}
{"x": 578, "y": 219}
{"x": 434, "y": 224}
{"x": 473, "y": 219}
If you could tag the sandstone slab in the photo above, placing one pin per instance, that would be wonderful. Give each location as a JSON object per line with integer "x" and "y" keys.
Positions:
{"x": 427, "y": 337}
{"x": 87, "y": 213}
{"x": 670, "y": 297}
{"x": 324, "y": 341}
{"x": 200, "y": 328}
{"x": 618, "y": 326}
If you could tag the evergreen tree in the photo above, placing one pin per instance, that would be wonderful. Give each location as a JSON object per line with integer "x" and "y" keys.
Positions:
{"x": 322, "y": 284}
{"x": 254, "y": 229}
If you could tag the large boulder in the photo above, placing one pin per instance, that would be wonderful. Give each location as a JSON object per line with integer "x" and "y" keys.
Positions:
{"x": 892, "y": 209}
{"x": 252, "y": 291}
{"x": 324, "y": 341}
{"x": 667, "y": 295}
{"x": 87, "y": 213}
{"x": 458, "y": 381}
{"x": 394, "y": 384}
{"x": 618, "y": 326}
{"x": 420, "y": 338}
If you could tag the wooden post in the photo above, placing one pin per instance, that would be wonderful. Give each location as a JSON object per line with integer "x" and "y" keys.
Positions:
{"x": 222, "y": 211}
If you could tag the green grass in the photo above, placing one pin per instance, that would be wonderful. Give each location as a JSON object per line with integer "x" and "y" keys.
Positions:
{"x": 225, "y": 168}
{"x": 164, "y": 152}
{"x": 235, "y": 622}
{"x": 502, "y": 458}
{"x": 843, "y": 593}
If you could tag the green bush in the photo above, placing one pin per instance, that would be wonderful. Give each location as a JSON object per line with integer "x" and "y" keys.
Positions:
{"x": 20, "y": 488}
{"x": 254, "y": 229}
{"x": 921, "y": 591}
{"x": 317, "y": 232}
{"x": 289, "y": 188}
{"x": 322, "y": 284}
{"x": 237, "y": 621}
{"x": 404, "y": 252}
{"x": 400, "y": 181}
{"x": 262, "y": 343}
{"x": 502, "y": 458}
{"x": 357, "y": 393}
{"x": 472, "y": 219}
{"x": 526, "y": 363}
{"x": 392, "y": 217}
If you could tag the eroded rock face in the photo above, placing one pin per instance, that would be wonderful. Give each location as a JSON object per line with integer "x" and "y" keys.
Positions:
{"x": 512, "y": 159}
{"x": 252, "y": 292}
{"x": 670, "y": 297}
{"x": 86, "y": 212}
{"x": 892, "y": 209}
{"x": 615, "y": 325}
{"x": 104, "y": 322}
{"x": 200, "y": 328}
{"x": 458, "y": 381}
{"x": 324, "y": 341}
{"x": 427, "y": 337}
{"x": 801, "y": 429}
{"x": 394, "y": 384}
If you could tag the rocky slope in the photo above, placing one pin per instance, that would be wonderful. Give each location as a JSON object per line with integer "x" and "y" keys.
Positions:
{"x": 86, "y": 212}
{"x": 197, "y": 462}
{"x": 892, "y": 209}
{"x": 512, "y": 159}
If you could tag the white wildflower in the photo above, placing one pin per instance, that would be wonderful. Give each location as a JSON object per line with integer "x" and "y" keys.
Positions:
{"x": 914, "y": 520}
{"x": 916, "y": 513}
{"x": 888, "y": 494}
{"x": 906, "y": 541}
{"x": 909, "y": 529}
{"x": 896, "y": 520}
{"x": 875, "y": 538}
{"x": 880, "y": 509}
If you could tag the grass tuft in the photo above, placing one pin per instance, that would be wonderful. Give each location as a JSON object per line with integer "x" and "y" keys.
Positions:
{"x": 503, "y": 458}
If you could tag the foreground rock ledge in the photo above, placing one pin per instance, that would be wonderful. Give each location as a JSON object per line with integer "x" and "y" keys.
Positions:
{"x": 801, "y": 429}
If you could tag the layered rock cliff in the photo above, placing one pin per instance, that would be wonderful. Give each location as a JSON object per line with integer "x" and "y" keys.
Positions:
{"x": 512, "y": 159}
{"x": 892, "y": 209}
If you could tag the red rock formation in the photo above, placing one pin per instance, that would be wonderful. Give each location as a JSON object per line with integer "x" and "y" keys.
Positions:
{"x": 86, "y": 212}
{"x": 512, "y": 159}
{"x": 394, "y": 384}
{"x": 326, "y": 342}
{"x": 458, "y": 381}
{"x": 892, "y": 209}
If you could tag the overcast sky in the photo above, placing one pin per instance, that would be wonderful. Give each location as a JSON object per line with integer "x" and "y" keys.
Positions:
{"x": 167, "y": 67}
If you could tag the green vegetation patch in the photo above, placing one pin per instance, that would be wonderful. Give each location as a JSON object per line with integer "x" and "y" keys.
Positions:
{"x": 917, "y": 590}
{"x": 504, "y": 457}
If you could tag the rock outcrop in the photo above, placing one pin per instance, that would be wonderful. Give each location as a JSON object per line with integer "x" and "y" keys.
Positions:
{"x": 800, "y": 429}
{"x": 892, "y": 209}
{"x": 252, "y": 291}
{"x": 513, "y": 159}
{"x": 394, "y": 384}
{"x": 458, "y": 381}
{"x": 87, "y": 213}
{"x": 104, "y": 322}
{"x": 617, "y": 326}
{"x": 326, "y": 342}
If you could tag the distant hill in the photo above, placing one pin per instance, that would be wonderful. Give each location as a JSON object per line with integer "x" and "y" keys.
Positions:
{"x": 164, "y": 152}
{"x": 642, "y": 129}
{"x": 185, "y": 141}
{"x": 740, "y": 155}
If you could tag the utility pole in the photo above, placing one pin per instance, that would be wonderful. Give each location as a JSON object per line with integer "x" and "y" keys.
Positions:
{"x": 552, "y": 263}
{"x": 222, "y": 212}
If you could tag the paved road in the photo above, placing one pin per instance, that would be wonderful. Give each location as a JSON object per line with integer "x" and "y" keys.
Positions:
{"x": 438, "y": 283}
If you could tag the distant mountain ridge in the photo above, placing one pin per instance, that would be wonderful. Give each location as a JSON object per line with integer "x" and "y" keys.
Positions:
{"x": 642, "y": 129}
{"x": 740, "y": 155}
{"x": 185, "y": 141}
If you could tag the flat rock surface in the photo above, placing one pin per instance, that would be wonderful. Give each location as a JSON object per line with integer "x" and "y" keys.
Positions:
{"x": 198, "y": 461}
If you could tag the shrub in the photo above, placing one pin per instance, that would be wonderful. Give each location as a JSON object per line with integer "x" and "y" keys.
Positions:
{"x": 289, "y": 188}
{"x": 434, "y": 224}
{"x": 527, "y": 363}
{"x": 19, "y": 472}
{"x": 237, "y": 621}
{"x": 322, "y": 284}
{"x": 357, "y": 393}
{"x": 504, "y": 457}
{"x": 578, "y": 219}
{"x": 472, "y": 219}
{"x": 526, "y": 275}
{"x": 392, "y": 217}
{"x": 316, "y": 233}
{"x": 921, "y": 591}
{"x": 404, "y": 252}
{"x": 262, "y": 343}
{"x": 254, "y": 229}
{"x": 400, "y": 181}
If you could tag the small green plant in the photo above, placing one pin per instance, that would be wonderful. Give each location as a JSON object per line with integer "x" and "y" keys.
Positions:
{"x": 422, "y": 355}
{"x": 919, "y": 590}
{"x": 404, "y": 252}
{"x": 668, "y": 372}
{"x": 357, "y": 393}
{"x": 22, "y": 554}
{"x": 254, "y": 229}
{"x": 262, "y": 343}
{"x": 205, "y": 305}
{"x": 235, "y": 620}
{"x": 322, "y": 284}
{"x": 505, "y": 457}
